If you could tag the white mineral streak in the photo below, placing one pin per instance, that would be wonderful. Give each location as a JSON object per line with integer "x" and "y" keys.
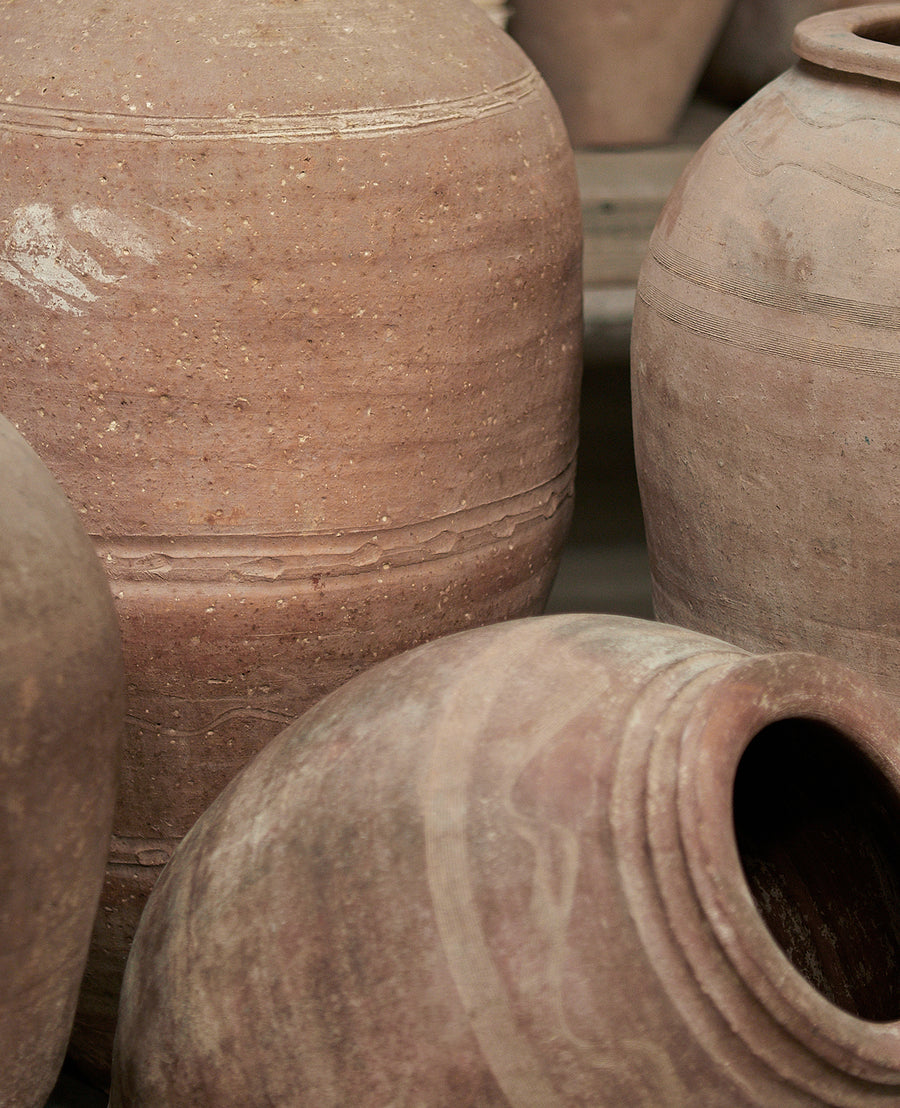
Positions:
{"x": 121, "y": 236}
{"x": 37, "y": 257}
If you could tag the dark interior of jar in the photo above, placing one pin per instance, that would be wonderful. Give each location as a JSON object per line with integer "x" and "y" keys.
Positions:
{"x": 886, "y": 31}
{"x": 818, "y": 833}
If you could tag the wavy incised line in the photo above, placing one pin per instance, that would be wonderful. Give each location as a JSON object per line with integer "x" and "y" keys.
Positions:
{"x": 876, "y": 363}
{"x": 853, "y": 182}
{"x": 735, "y": 141}
{"x": 252, "y": 558}
{"x": 842, "y": 117}
{"x": 244, "y": 712}
{"x": 370, "y": 121}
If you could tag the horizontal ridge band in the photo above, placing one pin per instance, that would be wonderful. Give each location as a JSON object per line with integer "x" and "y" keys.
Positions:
{"x": 62, "y": 122}
{"x": 260, "y": 558}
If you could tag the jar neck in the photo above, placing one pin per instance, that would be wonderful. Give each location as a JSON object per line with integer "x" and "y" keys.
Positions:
{"x": 864, "y": 41}
{"x": 746, "y": 1003}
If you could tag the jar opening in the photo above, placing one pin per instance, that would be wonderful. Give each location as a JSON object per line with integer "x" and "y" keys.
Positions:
{"x": 886, "y": 31}
{"x": 817, "y": 826}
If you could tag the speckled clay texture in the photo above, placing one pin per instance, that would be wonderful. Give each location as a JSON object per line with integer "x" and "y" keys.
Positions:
{"x": 62, "y": 696}
{"x": 622, "y": 71}
{"x": 765, "y": 362}
{"x": 502, "y": 869}
{"x": 292, "y": 309}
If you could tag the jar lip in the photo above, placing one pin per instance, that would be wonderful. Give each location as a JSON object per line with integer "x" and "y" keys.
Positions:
{"x": 765, "y": 690}
{"x": 863, "y": 40}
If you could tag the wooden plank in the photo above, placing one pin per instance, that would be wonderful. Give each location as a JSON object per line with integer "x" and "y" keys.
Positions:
{"x": 608, "y": 306}
{"x": 622, "y": 194}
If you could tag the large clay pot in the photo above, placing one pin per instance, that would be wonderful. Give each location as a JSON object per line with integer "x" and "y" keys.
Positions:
{"x": 62, "y": 696}
{"x": 622, "y": 71}
{"x": 292, "y": 308}
{"x": 573, "y": 860}
{"x": 765, "y": 362}
{"x": 754, "y": 46}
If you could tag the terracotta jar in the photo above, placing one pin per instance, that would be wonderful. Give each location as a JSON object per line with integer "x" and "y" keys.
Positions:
{"x": 292, "y": 309}
{"x": 622, "y": 71}
{"x": 572, "y": 860}
{"x": 765, "y": 362}
{"x": 62, "y": 692}
{"x": 754, "y": 46}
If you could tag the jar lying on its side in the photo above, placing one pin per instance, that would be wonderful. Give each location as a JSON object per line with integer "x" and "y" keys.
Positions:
{"x": 561, "y": 861}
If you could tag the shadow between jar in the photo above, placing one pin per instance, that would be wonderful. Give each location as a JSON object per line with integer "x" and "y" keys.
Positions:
{"x": 724, "y": 722}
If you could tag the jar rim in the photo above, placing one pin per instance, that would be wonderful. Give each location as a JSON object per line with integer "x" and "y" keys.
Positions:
{"x": 796, "y": 686}
{"x": 863, "y": 40}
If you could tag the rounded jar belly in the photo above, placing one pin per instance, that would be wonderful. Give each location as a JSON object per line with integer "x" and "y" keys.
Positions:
{"x": 560, "y": 861}
{"x": 765, "y": 365}
{"x": 62, "y": 692}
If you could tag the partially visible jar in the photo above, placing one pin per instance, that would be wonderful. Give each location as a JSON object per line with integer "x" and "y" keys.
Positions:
{"x": 765, "y": 362}
{"x": 562, "y": 861}
{"x": 62, "y": 693}
{"x": 292, "y": 309}
{"x": 622, "y": 72}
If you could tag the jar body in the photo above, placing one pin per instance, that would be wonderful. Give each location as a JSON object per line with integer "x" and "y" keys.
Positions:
{"x": 764, "y": 372}
{"x": 301, "y": 339}
{"x": 622, "y": 73}
{"x": 475, "y": 876}
{"x": 60, "y": 743}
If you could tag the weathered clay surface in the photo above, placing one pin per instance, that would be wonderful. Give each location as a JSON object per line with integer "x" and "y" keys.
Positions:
{"x": 291, "y": 300}
{"x": 621, "y": 72}
{"x": 765, "y": 363}
{"x": 503, "y": 869}
{"x": 62, "y": 696}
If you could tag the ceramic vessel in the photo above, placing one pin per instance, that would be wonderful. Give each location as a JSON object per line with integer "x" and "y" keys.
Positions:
{"x": 291, "y": 299}
{"x": 62, "y": 691}
{"x": 621, "y": 71}
{"x": 754, "y": 46}
{"x": 765, "y": 362}
{"x": 562, "y": 861}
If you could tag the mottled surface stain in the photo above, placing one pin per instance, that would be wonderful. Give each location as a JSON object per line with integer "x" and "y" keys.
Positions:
{"x": 39, "y": 257}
